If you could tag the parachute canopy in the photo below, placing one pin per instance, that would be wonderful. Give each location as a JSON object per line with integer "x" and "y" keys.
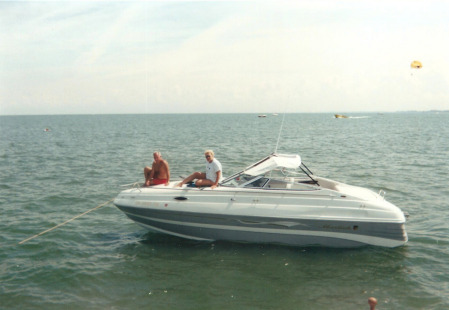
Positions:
{"x": 416, "y": 64}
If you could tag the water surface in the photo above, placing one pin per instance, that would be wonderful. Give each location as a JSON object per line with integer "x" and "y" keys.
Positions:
{"x": 105, "y": 261}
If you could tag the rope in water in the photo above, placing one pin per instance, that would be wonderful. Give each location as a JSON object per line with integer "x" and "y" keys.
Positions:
{"x": 59, "y": 225}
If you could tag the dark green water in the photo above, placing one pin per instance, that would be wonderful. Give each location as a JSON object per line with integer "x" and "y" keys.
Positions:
{"x": 105, "y": 261}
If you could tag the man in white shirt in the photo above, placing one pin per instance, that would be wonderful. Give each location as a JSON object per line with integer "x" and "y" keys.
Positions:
{"x": 212, "y": 176}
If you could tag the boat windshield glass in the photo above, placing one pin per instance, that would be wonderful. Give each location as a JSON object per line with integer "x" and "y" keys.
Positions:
{"x": 241, "y": 179}
{"x": 257, "y": 183}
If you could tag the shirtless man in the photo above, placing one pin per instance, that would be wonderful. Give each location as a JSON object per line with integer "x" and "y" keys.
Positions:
{"x": 159, "y": 173}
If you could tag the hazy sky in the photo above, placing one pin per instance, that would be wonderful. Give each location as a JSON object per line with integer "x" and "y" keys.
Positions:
{"x": 89, "y": 57}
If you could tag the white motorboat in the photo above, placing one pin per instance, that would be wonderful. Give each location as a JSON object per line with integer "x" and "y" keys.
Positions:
{"x": 276, "y": 200}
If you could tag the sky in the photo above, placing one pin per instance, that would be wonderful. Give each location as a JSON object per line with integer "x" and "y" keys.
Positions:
{"x": 111, "y": 57}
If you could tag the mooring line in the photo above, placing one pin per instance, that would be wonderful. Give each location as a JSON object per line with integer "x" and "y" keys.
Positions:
{"x": 59, "y": 225}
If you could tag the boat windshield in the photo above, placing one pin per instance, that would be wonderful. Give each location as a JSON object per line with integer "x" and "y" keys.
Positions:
{"x": 246, "y": 180}
{"x": 281, "y": 167}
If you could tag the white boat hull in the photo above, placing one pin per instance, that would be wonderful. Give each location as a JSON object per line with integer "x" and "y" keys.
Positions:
{"x": 299, "y": 218}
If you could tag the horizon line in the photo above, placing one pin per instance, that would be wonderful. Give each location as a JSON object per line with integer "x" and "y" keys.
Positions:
{"x": 224, "y": 113}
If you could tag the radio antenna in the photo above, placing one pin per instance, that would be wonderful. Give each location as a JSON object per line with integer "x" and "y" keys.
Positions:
{"x": 280, "y": 130}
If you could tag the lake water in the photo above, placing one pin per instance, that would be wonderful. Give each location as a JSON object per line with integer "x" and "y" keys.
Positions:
{"x": 103, "y": 260}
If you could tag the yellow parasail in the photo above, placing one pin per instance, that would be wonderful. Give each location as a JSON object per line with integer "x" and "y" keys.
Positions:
{"x": 416, "y": 64}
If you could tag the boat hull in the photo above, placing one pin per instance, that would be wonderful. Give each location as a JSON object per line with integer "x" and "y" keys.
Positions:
{"x": 282, "y": 218}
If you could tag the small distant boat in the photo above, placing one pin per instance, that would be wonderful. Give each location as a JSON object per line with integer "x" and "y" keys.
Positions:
{"x": 340, "y": 116}
{"x": 262, "y": 115}
{"x": 275, "y": 114}
{"x": 46, "y": 129}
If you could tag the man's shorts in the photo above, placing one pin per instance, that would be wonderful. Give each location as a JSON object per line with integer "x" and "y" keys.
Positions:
{"x": 159, "y": 181}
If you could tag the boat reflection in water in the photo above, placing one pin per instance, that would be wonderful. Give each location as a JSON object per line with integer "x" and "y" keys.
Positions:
{"x": 276, "y": 200}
